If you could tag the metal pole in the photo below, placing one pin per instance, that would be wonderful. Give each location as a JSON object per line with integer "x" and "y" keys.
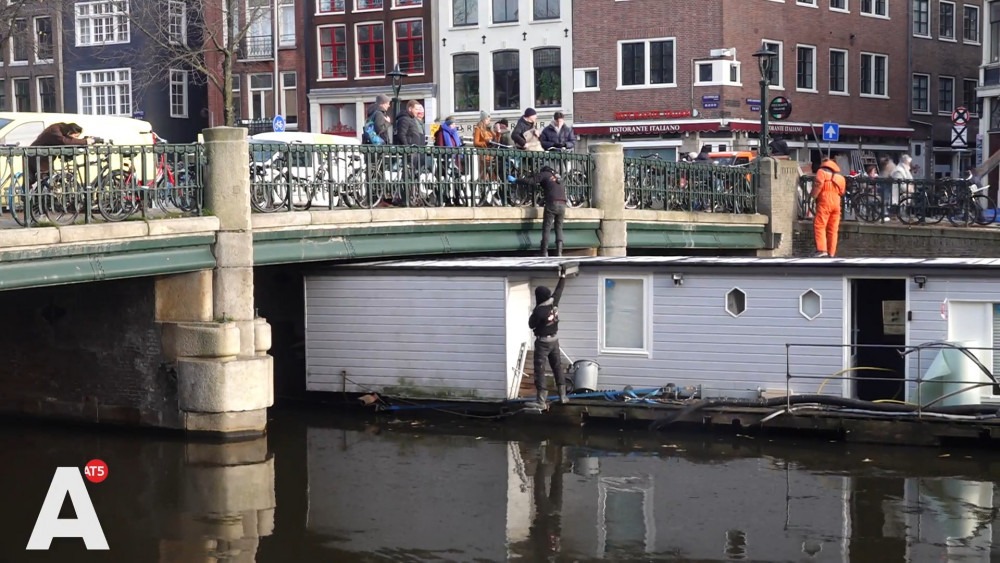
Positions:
{"x": 762, "y": 150}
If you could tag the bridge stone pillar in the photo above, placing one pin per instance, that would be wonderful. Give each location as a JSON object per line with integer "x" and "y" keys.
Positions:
{"x": 777, "y": 198}
{"x": 609, "y": 197}
{"x": 224, "y": 374}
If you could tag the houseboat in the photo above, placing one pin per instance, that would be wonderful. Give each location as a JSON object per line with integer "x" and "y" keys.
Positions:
{"x": 907, "y": 338}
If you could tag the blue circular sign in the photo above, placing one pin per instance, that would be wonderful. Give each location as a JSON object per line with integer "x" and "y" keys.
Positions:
{"x": 278, "y": 124}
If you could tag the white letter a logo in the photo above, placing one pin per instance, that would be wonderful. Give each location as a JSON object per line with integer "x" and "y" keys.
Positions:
{"x": 49, "y": 525}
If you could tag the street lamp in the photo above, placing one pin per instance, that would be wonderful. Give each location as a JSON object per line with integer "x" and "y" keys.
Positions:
{"x": 765, "y": 60}
{"x": 397, "y": 82}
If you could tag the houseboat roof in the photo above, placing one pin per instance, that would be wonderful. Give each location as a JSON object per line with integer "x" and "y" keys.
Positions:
{"x": 552, "y": 263}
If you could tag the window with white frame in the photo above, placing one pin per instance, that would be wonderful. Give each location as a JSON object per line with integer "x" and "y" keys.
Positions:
{"x": 286, "y": 23}
{"x": 464, "y": 12}
{"x": 47, "y": 93}
{"x": 946, "y": 15}
{"x": 261, "y": 94}
{"x": 506, "y": 80}
{"x": 969, "y": 99}
{"x": 407, "y": 3}
{"x": 465, "y": 69}
{"x": 44, "y": 42}
{"x": 290, "y": 98}
{"x": 838, "y": 71}
{"x": 410, "y": 45}
{"x": 874, "y": 75}
{"x": 805, "y": 67}
{"x": 586, "y": 79}
{"x": 330, "y": 6}
{"x": 878, "y": 8}
{"x": 921, "y": 93}
{"x": 838, "y": 5}
{"x": 922, "y": 18}
{"x": 545, "y": 10}
{"x": 104, "y": 22}
{"x": 177, "y": 22}
{"x": 994, "y": 31}
{"x": 332, "y": 51}
{"x": 20, "y": 42}
{"x": 548, "y": 77}
{"x": 367, "y": 5}
{"x": 806, "y": 2}
{"x": 178, "y": 93}
{"x": 624, "y": 314}
{"x": 105, "y": 92}
{"x": 777, "y": 74}
{"x": 946, "y": 95}
{"x": 646, "y": 63}
{"x": 970, "y": 23}
{"x": 504, "y": 11}
{"x": 22, "y": 94}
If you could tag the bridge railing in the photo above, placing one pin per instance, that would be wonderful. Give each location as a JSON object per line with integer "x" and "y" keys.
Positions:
{"x": 296, "y": 176}
{"x": 83, "y": 184}
{"x": 651, "y": 183}
{"x": 911, "y": 201}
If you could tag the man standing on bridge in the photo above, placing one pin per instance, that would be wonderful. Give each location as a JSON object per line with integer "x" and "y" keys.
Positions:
{"x": 828, "y": 189}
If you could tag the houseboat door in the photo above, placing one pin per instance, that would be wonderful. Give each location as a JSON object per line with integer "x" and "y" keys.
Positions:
{"x": 878, "y": 335}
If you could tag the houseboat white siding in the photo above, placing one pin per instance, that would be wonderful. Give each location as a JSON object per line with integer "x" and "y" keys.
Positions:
{"x": 955, "y": 308}
{"x": 412, "y": 334}
{"x": 693, "y": 339}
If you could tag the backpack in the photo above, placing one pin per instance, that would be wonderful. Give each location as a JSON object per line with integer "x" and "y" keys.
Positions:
{"x": 370, "y": 137}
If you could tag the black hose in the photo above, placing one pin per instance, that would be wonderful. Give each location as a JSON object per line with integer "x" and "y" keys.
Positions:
{"x": 829, "y": 400}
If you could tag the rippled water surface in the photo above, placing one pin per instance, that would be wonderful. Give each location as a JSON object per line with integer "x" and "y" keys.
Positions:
{"x": 326, "y": 488}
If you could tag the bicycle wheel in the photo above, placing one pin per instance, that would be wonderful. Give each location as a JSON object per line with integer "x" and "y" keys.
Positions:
{"x": 985, "y": 209}
{"x": 910, "y": 211}
{"x": 60, "y": 199}
{"x": 20, "y": 205}
{"x": 867, "y": 207}
{"x": 117, "y": 197}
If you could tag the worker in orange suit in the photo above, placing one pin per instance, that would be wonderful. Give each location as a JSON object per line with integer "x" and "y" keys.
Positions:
{"x": 828, "y": 189}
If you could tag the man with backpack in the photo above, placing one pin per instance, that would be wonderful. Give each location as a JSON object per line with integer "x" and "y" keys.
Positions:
{"x": 828, "y": 189}
{"x": 376, "y": 130}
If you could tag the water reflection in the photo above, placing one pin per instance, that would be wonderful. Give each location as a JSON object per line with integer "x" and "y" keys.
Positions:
{"x": 323, "y": 489}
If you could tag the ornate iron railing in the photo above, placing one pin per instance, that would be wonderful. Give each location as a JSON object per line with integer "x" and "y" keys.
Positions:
{"x": 652, "y": 183}
{"x": 287, "y": 177}
{"x": 77, "y": 184}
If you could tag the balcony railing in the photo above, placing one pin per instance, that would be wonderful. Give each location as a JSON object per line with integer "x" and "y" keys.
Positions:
{"x": 259, "y": 47}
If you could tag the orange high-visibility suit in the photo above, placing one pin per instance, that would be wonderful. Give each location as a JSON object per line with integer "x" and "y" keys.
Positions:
{"x": 828, "y": 189}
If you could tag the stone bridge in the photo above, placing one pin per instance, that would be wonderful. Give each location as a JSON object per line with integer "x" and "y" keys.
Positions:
{"x": 173, "y": 335}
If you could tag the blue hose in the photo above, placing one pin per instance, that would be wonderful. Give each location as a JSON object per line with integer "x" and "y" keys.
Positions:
{"x": 633, "y": 394}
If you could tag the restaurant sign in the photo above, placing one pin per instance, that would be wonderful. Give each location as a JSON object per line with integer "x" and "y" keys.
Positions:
{"x": 656, "y": 114}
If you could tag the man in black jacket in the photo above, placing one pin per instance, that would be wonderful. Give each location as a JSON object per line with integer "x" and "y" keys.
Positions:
{"x": 409, "y": 129}
{"x": 377, "y": 115}
{"x": 526, "y": 123}
{"x": 544, "y": 321}
{"x": 555, "y": 206}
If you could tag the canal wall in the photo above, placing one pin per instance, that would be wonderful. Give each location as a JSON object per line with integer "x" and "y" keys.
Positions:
{"x": 858, "y": 240}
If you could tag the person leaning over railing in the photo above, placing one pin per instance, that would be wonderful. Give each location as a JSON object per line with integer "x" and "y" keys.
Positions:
{"x": 55, "y": 135}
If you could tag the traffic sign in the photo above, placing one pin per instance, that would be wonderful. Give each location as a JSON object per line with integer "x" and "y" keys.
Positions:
{"x": 960, "y": 116}
{"x": 959, "y": 137}
{"x": 780, "y": 108}
{"x": 831, "y": 132}
{"x": 278, "y": 124}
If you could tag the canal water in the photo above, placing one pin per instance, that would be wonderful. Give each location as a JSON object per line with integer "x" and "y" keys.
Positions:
{"x": 323, "y": 487}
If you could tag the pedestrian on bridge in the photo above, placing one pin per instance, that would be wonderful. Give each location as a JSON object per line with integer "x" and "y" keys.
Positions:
{"x": 828, "y": 189}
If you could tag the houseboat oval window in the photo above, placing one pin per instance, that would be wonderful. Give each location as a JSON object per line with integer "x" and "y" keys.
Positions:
{"x": 736, "y": 302}
{"x": 811, "y": 304}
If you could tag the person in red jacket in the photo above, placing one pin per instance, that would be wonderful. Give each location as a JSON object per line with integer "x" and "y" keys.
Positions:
{"x": 828, "y": 189}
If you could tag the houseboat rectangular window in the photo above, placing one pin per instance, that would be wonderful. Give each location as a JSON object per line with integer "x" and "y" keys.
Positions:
{"x": 624, "y": 314}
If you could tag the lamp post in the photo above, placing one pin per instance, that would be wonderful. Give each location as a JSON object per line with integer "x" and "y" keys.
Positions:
{"x": 765, "y": 60}
{"x": 397, "y": 82}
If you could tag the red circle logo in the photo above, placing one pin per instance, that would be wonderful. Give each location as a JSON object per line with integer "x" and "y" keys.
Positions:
{"x": 95, "y": 471}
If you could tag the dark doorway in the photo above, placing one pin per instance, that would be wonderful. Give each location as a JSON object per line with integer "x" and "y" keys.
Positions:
{"x": 878, "y": 329}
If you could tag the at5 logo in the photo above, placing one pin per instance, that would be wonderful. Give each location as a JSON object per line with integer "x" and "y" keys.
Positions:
{"x": 86, "y": 525}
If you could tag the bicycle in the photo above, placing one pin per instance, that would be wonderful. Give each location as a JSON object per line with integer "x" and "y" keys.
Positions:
{"x": 968, "y": 205}
{"x": 922, "y": 206}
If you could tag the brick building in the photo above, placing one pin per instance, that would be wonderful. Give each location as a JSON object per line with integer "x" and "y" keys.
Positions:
{"x": 272, "y": 31}
{"x": 32, "y": 59}
{"x": 946, "y": 47}
{"x": 353, "y": 45}
{"x": 666, "y": 76}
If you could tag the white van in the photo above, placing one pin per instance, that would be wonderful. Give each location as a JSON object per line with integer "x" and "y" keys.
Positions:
{"x": 20, "y": 128}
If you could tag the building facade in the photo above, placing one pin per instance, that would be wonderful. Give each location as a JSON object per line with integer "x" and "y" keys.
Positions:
{"x": 988, "y": 140}
{"x": 503, "y": 56}
{"x": 32, "y": 59}
{"x": 946, "y": 45}
{"x": 269, "y": 73}
{"x": 113, "y": 66}
{"x": 353, "y": 46}
{"x": 669, "y": 76}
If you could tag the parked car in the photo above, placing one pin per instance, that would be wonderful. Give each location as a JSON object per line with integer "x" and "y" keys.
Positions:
{"x": 732, "y": 158}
